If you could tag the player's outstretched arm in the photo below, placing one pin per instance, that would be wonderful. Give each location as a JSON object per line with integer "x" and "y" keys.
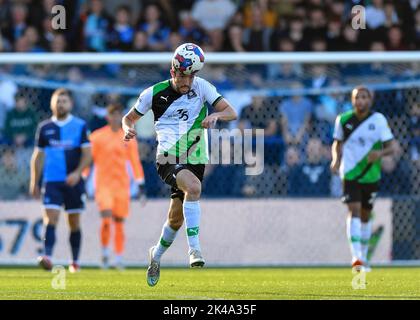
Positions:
{"x": 128, "y": 123}
{"x": 37, "y": 162}
{"x": 224, "y": 112}
{"x": 336, "y": 151}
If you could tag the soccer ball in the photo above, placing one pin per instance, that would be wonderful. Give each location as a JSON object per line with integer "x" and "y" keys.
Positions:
{"x": 188, "y": 58}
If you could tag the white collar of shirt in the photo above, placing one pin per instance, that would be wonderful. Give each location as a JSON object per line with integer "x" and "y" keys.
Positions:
{"x": 61, "y": 123}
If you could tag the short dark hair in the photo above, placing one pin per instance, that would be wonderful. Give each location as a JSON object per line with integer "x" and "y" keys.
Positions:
{"x": 364, "y": 88}
{"x": 21, "y": 94}
{"x": 115, "y": 107}
{"x": 62, "y": 91}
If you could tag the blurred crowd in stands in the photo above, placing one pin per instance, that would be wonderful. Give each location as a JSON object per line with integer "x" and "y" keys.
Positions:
{"x": 297, "y": 128}
{"x": 216, "y": 25}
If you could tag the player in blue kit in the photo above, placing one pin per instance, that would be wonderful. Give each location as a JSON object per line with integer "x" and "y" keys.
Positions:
{"x": 61, "y": 153}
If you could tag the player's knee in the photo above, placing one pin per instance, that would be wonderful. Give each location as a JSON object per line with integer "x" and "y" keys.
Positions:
{"x": 365, "y": 215}
{"x": 193, "y": 190}
{"x": 118, "y": 219}
{"x": 74, "y": 224}
{"x": 51, "y": 221}
{"x": 355, "y": 212}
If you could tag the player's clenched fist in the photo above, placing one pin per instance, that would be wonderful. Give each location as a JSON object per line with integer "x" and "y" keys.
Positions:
{"x": 209, "y": 122}
{"x": 129, "y": 133}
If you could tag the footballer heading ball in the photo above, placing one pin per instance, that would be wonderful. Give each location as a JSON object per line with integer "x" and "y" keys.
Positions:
{"x": 188, "y": 58}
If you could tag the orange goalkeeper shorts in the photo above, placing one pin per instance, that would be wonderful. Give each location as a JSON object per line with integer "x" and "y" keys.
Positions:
{"x": 117, "y": 202}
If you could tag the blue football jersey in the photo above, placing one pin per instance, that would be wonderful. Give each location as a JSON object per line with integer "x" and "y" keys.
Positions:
{"x": 61, "y": 142}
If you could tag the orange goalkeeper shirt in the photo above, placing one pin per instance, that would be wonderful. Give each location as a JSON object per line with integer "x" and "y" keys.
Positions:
{"x": 111, "y": 156}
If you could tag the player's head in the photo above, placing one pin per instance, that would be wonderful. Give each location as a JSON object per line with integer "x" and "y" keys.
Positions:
{"x": 188, "y": 59}
{"x": 361, "y": 99}
{"x": 61, "y": 103}
{"x": 114, "y": 114}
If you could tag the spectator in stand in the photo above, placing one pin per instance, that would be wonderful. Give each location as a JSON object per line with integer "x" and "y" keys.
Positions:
{"x": 395, "y": 177}
{"x": 96, "y": 27}
{"x": 47, "y": 32}
{"x": 414, "y": 132}
{"x": 417, "y": 29}
{"x": 15, "y": 30}
{"x": 4, "y": 44}
{"x": 260, "y": 114}
{"x": 140, "y": 43}
{"x": 20, "y": 123}
{"x": 58, "y": 43}
{"x": 175, "y": 40}
{"x": 327, "y": 107}
{"x": 5, "y": 15}
{"x": 333, "y": 34}
{"x": 296, "y": 113}
{"x": 317, "y": 76}
{"x": 318, "y": 44}
{"x": 268, "y": 13}
{"x": 213, "y": 16}
{"x": 317, "y": 25}
{"x": 12, "y": 181}
{"x": 395, "y": 39}
{"x": 34, "y": 41}
{"x": 296, "y": 32}
{"x": 98, "y": 109}
{"x": 155, "y": 28}
{"x": 311, "y": 178}
{"x": 285, "y": 71}
{"x": 121, "y": 35}
{"x": 337, "y": 9}
{"x": 233, "y": 39}
{"x": 350, "y": 39}
{"x": 257, "y": 37}
{"x": 380, "y": 15}
{"x": 189, "y": 30}
{"x": 38, "y": 10}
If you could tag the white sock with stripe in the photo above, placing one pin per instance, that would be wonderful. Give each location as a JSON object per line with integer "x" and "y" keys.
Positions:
{"x": 366, "y": 231}
{"x": 192, "y": 213}
{"x": 166, "y": 238}
{"x": 354, "y": 229}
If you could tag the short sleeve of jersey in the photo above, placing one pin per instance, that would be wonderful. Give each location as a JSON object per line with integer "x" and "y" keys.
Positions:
{"x": 84, "y": 141}
{"x": 144, "y": 101}
{"x": 338, "y": 130}
{"x": 40, "y": 141}
{"x": 386, "y": 133}
{"x": 209, "y": 92}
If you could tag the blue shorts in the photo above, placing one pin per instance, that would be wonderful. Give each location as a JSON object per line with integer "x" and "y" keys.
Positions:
{"x": 57, "y": 194}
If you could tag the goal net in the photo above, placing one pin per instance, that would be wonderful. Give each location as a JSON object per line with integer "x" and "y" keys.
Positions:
{"x": 290, "y": 212}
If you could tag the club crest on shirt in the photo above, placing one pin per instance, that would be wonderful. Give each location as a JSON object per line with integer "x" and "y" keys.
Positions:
{"x": 191, "y": 94}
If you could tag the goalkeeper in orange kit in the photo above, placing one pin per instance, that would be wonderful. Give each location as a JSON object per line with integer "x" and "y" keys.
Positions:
{"x": 112, "y": 180}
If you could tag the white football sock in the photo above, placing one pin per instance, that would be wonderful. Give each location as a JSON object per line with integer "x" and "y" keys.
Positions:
{"x": 366, "y": 230}
{"x": 192, "y": 213}
{"x": 105, "y": 251}
{"x": 166, "y": 238}
{"x": 354, "y": 237}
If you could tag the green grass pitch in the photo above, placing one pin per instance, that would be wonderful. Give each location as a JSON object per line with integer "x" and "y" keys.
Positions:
{"x": 213, "y": 283}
